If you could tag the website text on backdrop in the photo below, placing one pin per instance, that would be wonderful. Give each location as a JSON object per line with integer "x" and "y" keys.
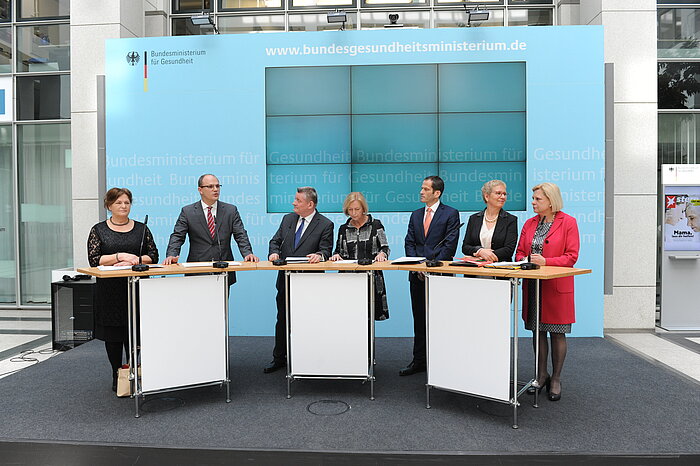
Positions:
{"x": 306, "y": 233}
{"x": 549, "y": 238}
{"x": 209, "y": 224}
{"x": 364, "y": 238}
{"x": 117, "y": 241}
{"x": 433, "y": 233}
{"x": 492, "y": 234}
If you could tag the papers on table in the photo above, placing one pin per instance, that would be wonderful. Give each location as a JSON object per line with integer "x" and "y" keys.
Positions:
{"x": 125, "y": 267}
{"x": 408, "y": 260}
{"x": 297, "y": 260}
{"x": 113, "y": 267}
{"x": 506, "y": 265}
{"x": 206, "y": 264}
{"x": 347, "y": 261}
{"x": 470, "y": 261}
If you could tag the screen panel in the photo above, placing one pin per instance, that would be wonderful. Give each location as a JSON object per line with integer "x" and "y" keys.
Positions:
{"x": 395, "y": 124}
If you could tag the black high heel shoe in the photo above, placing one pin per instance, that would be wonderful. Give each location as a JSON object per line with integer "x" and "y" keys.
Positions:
{"x": 532, "y": 388}
{"x": 551, "y": 396}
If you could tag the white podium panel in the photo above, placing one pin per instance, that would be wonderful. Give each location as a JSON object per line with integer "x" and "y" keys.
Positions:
{"x": 468, "y": 322}
{"x": 329, "y": 324}
{"x": 183, "y": 331}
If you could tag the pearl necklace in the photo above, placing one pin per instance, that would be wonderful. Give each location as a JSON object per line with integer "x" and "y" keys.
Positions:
{"x": 490, "y": 220}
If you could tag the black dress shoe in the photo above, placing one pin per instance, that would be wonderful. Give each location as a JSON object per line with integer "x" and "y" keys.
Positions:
{"x": 275, "y": 365}
{"x": 532, "y": 388}
{"x": 413, "y": 368}
{"x": 551, "y": 396}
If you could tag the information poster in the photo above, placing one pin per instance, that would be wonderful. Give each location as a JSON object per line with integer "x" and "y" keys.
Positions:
{"x": 682, "y": 218}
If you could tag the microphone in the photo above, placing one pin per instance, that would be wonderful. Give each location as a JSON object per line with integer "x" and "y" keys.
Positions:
{"x": 280, "y": 262}
{"x": 218, "y": 264}
{"x": 529, "y": 265}
{"x": 367, "y": 260}
{"x": 141, "y": 267}
{"x": 435, "y": 262}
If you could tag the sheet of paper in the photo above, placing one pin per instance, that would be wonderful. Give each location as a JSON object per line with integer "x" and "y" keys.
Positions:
{"x": 505, "y": 264}
{"x": 113, "y": 267}
{"x": 408, "y": 260}
{"x": 207, "y": 264}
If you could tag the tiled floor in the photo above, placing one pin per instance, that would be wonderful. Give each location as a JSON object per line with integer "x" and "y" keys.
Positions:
{"x": 25, "y": 339}
{"x": 665, "y": 348}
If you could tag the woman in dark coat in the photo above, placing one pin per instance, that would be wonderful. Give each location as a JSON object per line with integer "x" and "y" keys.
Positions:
{"x": 116, "y": 242}
{"x": 363, "y": 237}
{"x": 492, "y": 233}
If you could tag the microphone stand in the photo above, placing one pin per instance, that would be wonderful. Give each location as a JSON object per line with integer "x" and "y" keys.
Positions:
{"x": 367, "y": 260}
{"x": 220, "y": 264}
{"x": 435, "y": 262}
{"x": 280, "y": 262}
{"x": 141, "y": 267}
{"x": 529, "y": 265}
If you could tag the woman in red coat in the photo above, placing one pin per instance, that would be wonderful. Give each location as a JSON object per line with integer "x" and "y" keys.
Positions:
{"x": 551, "y": 238}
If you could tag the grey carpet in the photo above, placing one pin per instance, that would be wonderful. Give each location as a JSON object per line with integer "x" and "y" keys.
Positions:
{"x": 612, "y": 402}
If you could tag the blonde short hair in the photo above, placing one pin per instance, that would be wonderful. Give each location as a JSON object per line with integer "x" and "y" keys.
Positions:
{"x": 487, "y": 188}
{"x": 552, "y": 192}
{"x": 355, "y": 196}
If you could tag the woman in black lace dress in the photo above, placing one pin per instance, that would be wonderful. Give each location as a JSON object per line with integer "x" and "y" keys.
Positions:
{"x": 116, "y": 241}
{"x": 363, "y": 237}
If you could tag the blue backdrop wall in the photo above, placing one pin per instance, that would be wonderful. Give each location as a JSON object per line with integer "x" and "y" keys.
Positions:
{"x": 374, "y": 111}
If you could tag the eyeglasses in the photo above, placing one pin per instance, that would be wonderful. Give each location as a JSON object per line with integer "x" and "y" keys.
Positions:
{"x": 500, "y": 193}
{"x": 211, "y": 186}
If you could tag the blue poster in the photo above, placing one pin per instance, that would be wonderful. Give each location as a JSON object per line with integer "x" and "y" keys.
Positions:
{"x": 373, "y": 111}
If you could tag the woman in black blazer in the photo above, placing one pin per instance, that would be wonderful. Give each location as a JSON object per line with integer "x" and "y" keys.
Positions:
{"x": 492, "y": 234}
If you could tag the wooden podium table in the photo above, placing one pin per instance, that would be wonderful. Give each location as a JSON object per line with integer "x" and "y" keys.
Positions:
{"x": 330, "y": 321}
{"x": 469, "y": 324}
{"x": 178, "y": 327}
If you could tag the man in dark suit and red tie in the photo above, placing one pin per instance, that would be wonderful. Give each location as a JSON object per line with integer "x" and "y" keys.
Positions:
{"x": 427, "y": 227}
{"x": 210, "y": 224}
{"x": 304, "y": 232}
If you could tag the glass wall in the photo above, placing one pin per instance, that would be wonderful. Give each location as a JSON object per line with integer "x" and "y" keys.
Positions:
{"x": 678, "y": 52}
{"x": 243, "y": 16}
{"x": 8, "y": 266}
{"x": 35, "y": 155}
{"x": 45, "y": 225}
{"x": 678, "y": 32}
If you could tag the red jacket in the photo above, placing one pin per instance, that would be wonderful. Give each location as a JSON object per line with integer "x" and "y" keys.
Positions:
{"x": 560, "y": 249}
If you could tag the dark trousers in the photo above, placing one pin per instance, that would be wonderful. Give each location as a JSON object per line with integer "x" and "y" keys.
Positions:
{"x": 280, "y": 350}
{"x": 417, "y": 288}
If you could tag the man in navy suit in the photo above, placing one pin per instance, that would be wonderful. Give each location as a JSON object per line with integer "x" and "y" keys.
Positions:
{"x": 210, "y": 224}
{"x": 304, "y": 232}
{"x": 427, "y": 227}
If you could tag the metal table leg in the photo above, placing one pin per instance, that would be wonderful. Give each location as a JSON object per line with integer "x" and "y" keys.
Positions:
{"x": 537, "y": 341}
{"x": 514, "y": 283}
{"x": 228, "y": 375}
{"x": 372, "y": 304}
{"x": 289, "y": 349}
{"x": 133, "y": 342}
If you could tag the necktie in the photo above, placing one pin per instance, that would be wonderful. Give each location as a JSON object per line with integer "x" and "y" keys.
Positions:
{"x": 210, "y": 223}
{"x": 297, "y": 235}
{"x": 426, "y": 222}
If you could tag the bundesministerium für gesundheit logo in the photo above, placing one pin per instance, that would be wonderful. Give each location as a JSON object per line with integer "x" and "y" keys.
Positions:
{"x": 132, "y": 58}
